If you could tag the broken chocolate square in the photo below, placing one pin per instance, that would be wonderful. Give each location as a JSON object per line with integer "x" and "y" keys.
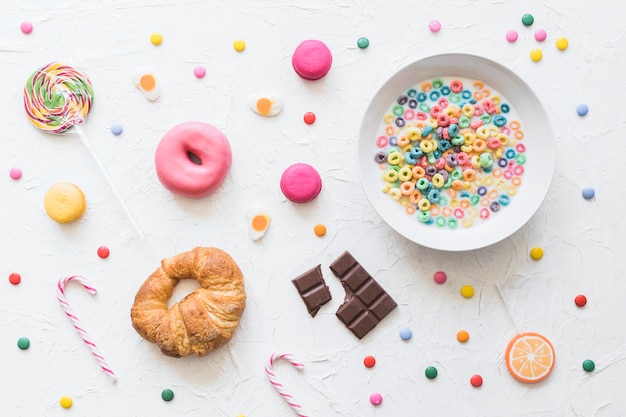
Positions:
{"x": 313, "y": 290}
{"x": 366, "y": 302}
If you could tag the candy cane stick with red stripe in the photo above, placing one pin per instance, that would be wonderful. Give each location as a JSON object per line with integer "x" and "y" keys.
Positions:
{"x": 269, "y": 370}
{"x": 81, "y": 331}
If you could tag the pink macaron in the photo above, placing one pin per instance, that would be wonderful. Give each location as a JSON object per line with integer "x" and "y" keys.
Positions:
{"x": 300, "y": 183}
{"x": 312, "y": 59}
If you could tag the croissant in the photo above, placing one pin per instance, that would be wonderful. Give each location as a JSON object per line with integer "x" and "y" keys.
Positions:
{"x": 204, "y": 320}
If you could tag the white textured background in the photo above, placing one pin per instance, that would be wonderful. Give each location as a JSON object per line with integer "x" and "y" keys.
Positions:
{"x": 584, "y": 241}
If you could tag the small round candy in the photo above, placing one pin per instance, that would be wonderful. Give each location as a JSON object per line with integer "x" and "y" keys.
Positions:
{"x": 580, "y": 300}
{"x": 588, "y": 365}
{"x": 440, "y": 277}
{"x": 476, "y": 381}
{"x": 15, "y": 173}
{"x": 23, "y": 343}
{"x": 15, "y": 278}
{"x": 588, "y": 193}
{"x": 511, "y": 36}
{"x": 536, "y": 55}
{"x": 103, "y": 252}
{"x": 319, "y": 230}
{"x": 462, "y": 336}
{"x": 434, "y": 26}
{"x": 561, "y": 44}
{"x": 467, "y": 291}
{"x": 536, "y": 253}
{"x": 156, "y": 38}
{"x": 376, "y": 398}
{"x": 406, "y": 333}
{"x": 66, "y": 402}
{"x": 117, "y": 128}
{"x": 528, "y": 19}
{"x": 540, "y": 35}
{"x": 582, "y": 109}
{"x": 309, "y": 117}
{"x": 26, "y": 27}
{"x": 431, "y": 372}
{"x": 363, "y": 43}
{"x": 239, "y": 45}
{"x": 199, "y": 71}
{"x": 167, "y": 395}
{"x": 369, "y": 361}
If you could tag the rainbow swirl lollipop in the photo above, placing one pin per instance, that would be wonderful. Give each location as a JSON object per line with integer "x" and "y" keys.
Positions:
{"x": 57, "y": 97}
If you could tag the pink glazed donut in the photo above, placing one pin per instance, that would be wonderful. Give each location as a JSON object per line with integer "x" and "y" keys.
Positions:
{"x": 312, "y": 59}
{"x": 192, "y": 159}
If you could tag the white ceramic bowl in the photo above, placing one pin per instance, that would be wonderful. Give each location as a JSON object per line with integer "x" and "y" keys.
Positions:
{"x": 538, "y": 139}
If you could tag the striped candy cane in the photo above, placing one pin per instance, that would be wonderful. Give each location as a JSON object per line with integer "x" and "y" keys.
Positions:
{"x": 81, "y": 331}
{"x": 269, "y": 370}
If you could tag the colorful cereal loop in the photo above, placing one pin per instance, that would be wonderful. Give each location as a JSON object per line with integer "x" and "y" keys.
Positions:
{"x": 465, "y": 203}
{"x": 520, "y": 147}
{"x": 446, "y": 211}
{"x": 395, "y": 193}
{"x": 484, "y": 213}
{"x": 409, "y": 210}
{"x": 415, "y": 197}
{"x": 389, "y": 131}
{"x": 467, "y": 222}
{"x": 508, "y": 174}
{"x": 514, "y": 125}
{"x": 485, "y": 201}
{"x": 382, "y": 141}
{"x": 409, "y": 114}
{"x": 472, "y": 211}
{"x": 518, "y": 170}
{"x": 418, "y": 172}
{"x": 496, "y": 172}
{"x": 389, "y": 119}
{"x": 454, "y": 203}
{"x": 404, "y": 201}
{"x": 488, "y": 181}
{"x": 427, "y": 87}
{"x": 492, "y": 194}
{"x": 435, "y": 209}
{"x": 511, "y": 190}
{"x": 516, "y": 181}
{"x": 440, "y": 221}
{"x": 403, "y": 141}
{"x": 500, "y": 185}
{"x": 459, "y": 213}
{"x": 407, "y": 188}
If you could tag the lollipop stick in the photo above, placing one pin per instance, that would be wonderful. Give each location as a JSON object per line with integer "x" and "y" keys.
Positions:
{"x": 85, "y": 142}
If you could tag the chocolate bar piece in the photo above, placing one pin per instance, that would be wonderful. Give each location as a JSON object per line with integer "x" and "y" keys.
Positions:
{"x": 366, "y": 302}
{"x": 313, "y": 290}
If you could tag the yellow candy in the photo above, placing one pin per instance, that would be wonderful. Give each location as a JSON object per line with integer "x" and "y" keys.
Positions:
{"x": 536, "y": 55}
{"x": 239, "y": 45}
{"x": 156, "y": 39}
{"x": 467, "y": 291}
{"x": 66, "y": 402}
{"x": 562, "y": 44}
{"x": 536, "y": 253}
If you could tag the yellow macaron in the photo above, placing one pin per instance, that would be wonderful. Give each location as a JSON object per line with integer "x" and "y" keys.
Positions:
{"x": 64, "y": 202}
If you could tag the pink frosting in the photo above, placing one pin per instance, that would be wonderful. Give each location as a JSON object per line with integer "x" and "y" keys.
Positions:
{"x": 192, "y": 159}
{"x": 312, "y": 59}
{"x": 301, "y": 183}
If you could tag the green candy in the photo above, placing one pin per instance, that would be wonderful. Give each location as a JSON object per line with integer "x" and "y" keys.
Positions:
{"x": 167, "y": 395}
{"x": 589, "y": 365}
{"x": 528, "y": 19}
{"x": 23, "y": 343}
{"x": 431, "y": 372}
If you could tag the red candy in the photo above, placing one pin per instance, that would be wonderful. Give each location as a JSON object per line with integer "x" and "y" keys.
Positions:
{"x": 309, "y": 118}
{"x": 580, "y": 300}
{"x": 476, "y": 381}
{"x": 369, "y": 361}
{"x": 15, "y": 278}
{"x": 103, "y": 252}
